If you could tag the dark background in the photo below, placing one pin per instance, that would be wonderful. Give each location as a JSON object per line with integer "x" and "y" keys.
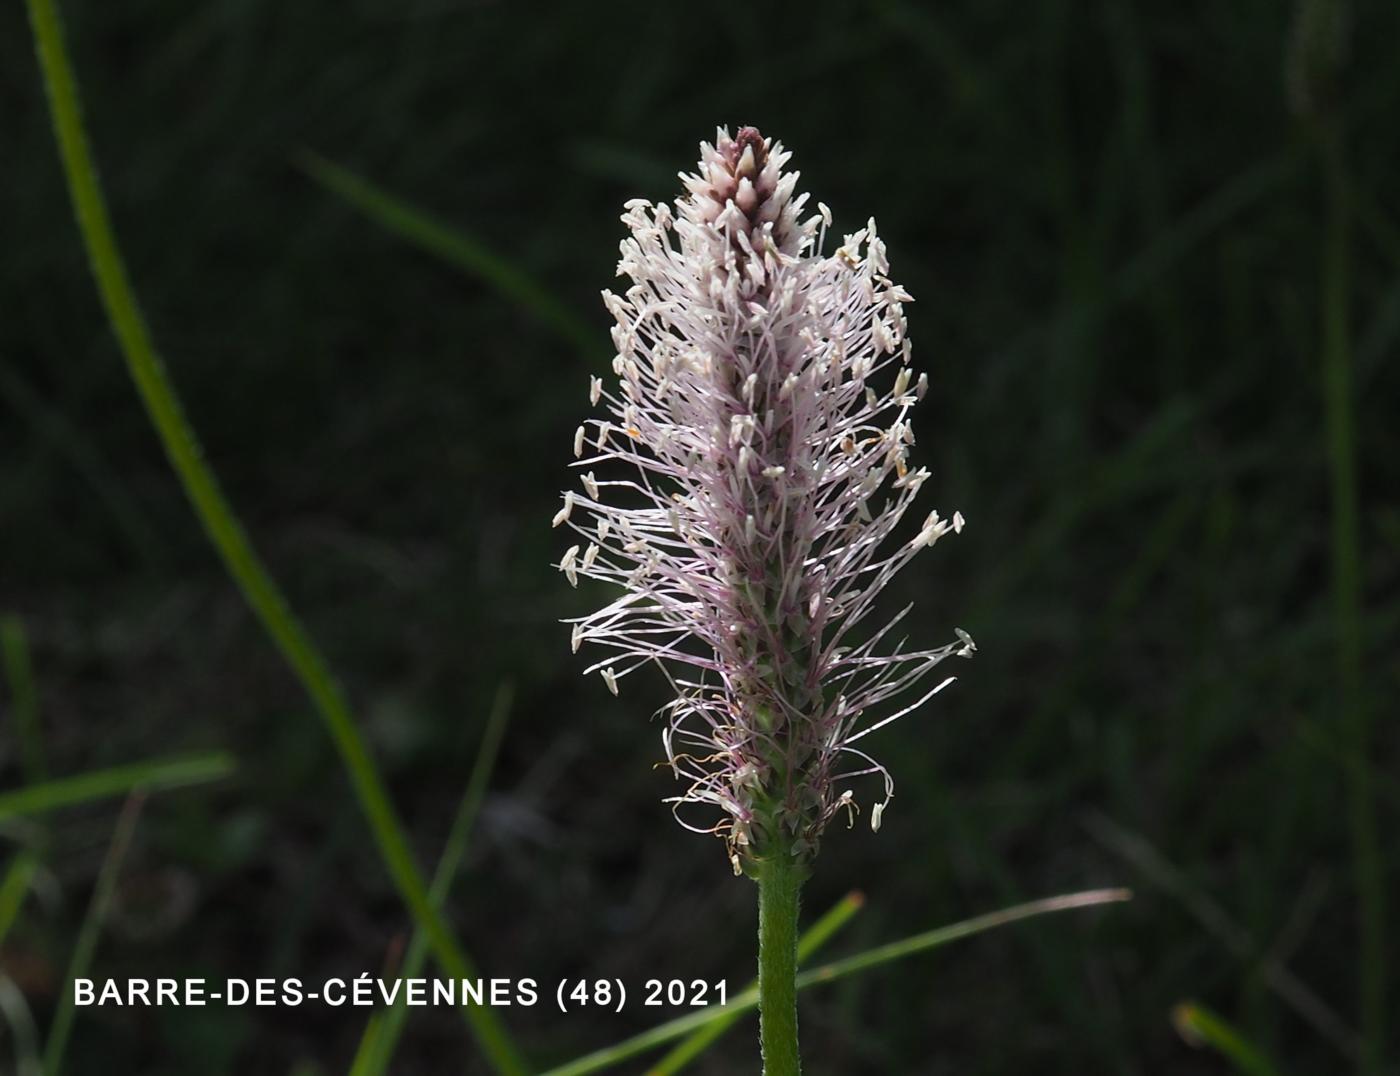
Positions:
{"x": 1113, "y": 216}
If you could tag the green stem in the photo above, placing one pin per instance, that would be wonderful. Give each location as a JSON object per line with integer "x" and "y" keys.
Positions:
{"x": 815, "y": 937}
{"x": 747, "y": 999}
{"x": 779, "y": 884}
{"x": 223, "y": 527}
{"x": 86, "y": 945}
{"x": 1201, "y": 1027}
{"x": 1347, "y": 594}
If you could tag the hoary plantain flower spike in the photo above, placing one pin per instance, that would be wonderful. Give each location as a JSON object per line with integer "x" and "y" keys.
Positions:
{"x": 743, "y": 489}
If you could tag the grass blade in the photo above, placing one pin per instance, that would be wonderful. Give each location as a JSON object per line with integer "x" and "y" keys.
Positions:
{"x": 825, "y": 928}
{"x": 1347, "y": 610}
{"x": 1201, "y": 1027}
{"x": 14, "y": 888}
{"x": 86, "y": 945}
{"x": 19, "y": 672}
{"x": 454, "y": 246}
{"x": 748, "y": 999}
{"x": 821, "y": 932}
{"x": 100, "y": 784}
{"x": 381, "y": 1034}
{"x": 222, "y": 525}
{"x": 940, "y": 936}
{"x": 1164, "y": 874}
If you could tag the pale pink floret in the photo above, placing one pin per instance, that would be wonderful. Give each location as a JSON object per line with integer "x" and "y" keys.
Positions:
{"x": 762, "y": 412}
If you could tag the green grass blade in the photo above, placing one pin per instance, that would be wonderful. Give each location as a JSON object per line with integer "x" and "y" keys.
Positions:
{"x": 381, "y": 1034}
{"x": 932, "y": 939}
{"x": 1347, "y": 611}
{"x": 817, "y": 936}
{"x": 825, "y": 928}
{"x": 170, "y": 772}
{"x": 1201, "y": 1027}
{"x": 24, "y": 696}
{"x": 451, "y": 244}
{"x": 14, "y": 888}
{"x": 1166, "y": 876}
{"x": 86, "y": 945}
{"x": 222, "y": 525}
{"x": 919, "y": 943}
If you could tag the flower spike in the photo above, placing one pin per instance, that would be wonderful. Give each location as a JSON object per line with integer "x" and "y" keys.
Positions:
{"x": 743, "y": 492}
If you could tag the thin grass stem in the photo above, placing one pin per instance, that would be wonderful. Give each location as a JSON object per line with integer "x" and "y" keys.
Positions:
{"x": 1201, "y": 1027}
{"x": 1346, "y": 597}
{"x": 382, "y": 1031}
{"x": 86, "y": 944}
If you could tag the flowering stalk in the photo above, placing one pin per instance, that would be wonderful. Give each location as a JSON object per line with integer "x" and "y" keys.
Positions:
{"x": 743, "y": 490}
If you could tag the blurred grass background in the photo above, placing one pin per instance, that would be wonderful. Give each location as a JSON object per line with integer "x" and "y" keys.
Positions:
{"x": 1145, "y": 243}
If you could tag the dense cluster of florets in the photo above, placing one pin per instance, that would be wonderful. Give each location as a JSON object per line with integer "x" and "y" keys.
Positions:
{"x": 762, "y": 412}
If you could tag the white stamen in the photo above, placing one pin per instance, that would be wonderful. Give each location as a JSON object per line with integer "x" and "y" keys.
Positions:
{"x": 562, "y": 516}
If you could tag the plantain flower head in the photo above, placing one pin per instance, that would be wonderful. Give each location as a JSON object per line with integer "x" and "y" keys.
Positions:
{"x": 742, "y": 488}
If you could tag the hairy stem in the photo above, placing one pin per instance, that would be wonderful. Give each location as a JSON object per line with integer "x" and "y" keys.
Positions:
{"x": 779, "y": 884}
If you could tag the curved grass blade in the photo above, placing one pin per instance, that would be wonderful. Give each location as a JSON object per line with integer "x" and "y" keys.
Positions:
{"x": 86, "y": 945}
{"x": 222, "y": 525}
{"x": 918, "y": 943}
{"x": 1201, "y": 1027}
{"x": 819, "y": 934}
{"x": 381, "y": 1034}
{"x": 171, "y": 772}
{"x": 455, "y": 246}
